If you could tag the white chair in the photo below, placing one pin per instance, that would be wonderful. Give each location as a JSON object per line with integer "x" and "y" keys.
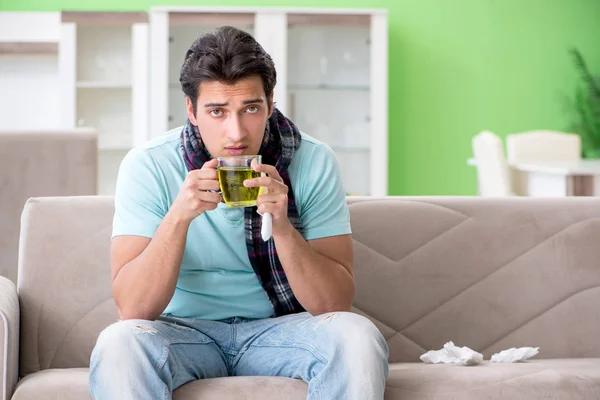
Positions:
{"x": 493, "y": 173}
{"x": 543, "y": 147}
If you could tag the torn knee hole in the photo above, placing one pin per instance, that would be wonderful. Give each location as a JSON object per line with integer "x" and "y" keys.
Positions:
{"x": 326, "y": 320}
{"x": 145, "y": 329}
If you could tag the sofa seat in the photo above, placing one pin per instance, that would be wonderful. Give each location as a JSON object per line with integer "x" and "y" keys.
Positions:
{"x": 572, "y": 379}
{"x": 72, "y": 384}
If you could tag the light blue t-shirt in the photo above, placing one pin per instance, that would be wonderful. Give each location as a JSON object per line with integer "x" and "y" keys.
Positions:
{"x": 216, "y": 280}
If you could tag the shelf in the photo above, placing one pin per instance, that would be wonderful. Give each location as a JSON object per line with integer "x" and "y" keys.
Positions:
{"x": 104, "y": 18}
{"x": 313, "y": 19}
{"x": 211, "y": 18}
{"x": 28, "y": 48}
{"x": 352, "y": 88}
{"x": 102, "y": 85}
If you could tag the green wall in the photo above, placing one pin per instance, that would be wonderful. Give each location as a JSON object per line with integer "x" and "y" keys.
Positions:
{"x": 456, "y": 67}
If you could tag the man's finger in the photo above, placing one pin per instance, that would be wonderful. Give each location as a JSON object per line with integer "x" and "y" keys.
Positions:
{"x": 272, "y": 198}
{"x": 210, "y": 164}
{"x": 204, "y": 173}
{"x": 268, "y": 182}
{"x": 269, "y": 170}
{"x": 210, "y": 197}
{"x": 207, "y": 184}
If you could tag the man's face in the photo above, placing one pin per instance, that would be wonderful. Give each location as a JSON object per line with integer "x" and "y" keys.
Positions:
{"x": 231, "y": 118}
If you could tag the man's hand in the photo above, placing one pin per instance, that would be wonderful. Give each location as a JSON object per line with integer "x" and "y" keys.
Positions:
{"x": 275, "y": 200}
{"x": 195, "y": 197}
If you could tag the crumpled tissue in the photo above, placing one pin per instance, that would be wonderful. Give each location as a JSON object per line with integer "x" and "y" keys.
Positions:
{"x": 514, "y": 355}
{"x": 452, "y": 354}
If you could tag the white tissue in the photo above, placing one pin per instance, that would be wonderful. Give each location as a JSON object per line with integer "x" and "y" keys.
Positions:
{"x": 452, "y": 354}
{"x": 266, "y": 229}
{"x": 514, "y": 355}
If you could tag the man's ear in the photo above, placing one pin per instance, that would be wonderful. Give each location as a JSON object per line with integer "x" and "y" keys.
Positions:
{"x": 189, "y": 107}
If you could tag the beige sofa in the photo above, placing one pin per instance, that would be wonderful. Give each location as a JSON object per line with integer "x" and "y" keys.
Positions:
{"x": 40, "y": 163}
{"x": 485, "y": 273}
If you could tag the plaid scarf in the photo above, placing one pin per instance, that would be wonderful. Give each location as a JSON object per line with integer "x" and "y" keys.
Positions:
{"x": 281, "y": 140}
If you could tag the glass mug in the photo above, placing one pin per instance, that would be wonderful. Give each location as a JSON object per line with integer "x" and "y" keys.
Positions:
{"x": 232, "y": 171}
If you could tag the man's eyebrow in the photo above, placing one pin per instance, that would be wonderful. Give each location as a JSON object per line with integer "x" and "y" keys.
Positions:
{"x": 215, "y": 104}
{"x": 257, "y": 100}
{"x": 251, "y": 101}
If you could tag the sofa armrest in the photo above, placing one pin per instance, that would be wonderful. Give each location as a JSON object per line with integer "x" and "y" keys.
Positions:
{"x": 9, "y": 337}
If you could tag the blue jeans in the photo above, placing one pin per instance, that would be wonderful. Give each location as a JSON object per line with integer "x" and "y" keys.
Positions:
{"x": 341, "y": 355}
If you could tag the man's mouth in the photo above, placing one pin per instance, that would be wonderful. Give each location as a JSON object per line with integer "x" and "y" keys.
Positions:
{"x": 236, "y": 150}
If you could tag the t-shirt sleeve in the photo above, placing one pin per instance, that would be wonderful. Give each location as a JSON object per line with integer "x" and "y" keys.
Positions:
{"x": 323, "y": 211}
{"x": 139, "y": 205}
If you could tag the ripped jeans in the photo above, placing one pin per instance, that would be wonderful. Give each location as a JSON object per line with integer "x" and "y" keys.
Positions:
{"x": 340, "y": 355}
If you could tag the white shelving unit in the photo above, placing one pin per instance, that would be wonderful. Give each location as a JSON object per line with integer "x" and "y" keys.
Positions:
{"x": 119, "y": 74}
{"x": 329, "y": 88}
{"x": 332, "y": 76}
{"x": 104, "y": 83}
{"x": 29, "y": 77}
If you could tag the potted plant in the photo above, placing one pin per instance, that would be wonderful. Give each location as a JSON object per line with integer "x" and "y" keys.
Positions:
{"x": 586, "y": 107}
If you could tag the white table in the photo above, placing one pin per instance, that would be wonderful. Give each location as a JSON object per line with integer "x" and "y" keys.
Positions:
{"x": 580, "y": 178}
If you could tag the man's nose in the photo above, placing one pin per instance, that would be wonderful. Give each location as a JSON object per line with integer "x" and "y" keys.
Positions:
{"x": 235, "y": 130}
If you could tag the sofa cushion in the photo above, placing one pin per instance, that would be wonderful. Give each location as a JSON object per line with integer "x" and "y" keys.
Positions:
{"x": 72, "y": 384}
{"x": 243, "y": 387}
{"x": 572, "y": 379}
{"x": 54, "y": 384}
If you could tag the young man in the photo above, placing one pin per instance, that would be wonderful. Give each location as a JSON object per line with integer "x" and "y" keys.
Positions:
{"x": 199, "y": 293}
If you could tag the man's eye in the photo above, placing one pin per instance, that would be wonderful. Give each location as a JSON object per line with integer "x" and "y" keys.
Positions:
{"x": 216, "y": 113}
{"x": 252, "y": 109}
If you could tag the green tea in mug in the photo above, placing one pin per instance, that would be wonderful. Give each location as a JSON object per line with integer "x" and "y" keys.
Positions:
{"x": 232, "y": 172}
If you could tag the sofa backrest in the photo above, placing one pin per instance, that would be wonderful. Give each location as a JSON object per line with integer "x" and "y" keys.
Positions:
{"x": 40, "y": 163}
{"x": 64, "y": 280}
{"x": 485, "y": 273}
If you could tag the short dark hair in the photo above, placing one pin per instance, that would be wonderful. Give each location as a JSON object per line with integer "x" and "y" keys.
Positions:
{"x": 225, "y": 55}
